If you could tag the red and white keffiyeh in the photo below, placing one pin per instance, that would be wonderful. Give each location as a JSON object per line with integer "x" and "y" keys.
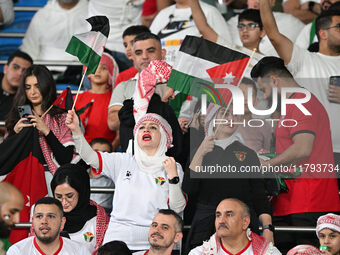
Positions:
{"x": 101, "y": 225}
{"x": 304, "y": 250}
{"x": 330, "y": 221}
{"x": 158, "y": 71}
{"x": 62, "y": 133}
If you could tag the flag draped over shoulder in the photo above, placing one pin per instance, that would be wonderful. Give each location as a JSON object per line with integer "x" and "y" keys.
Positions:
{"x": 201, "y": 64}
{"x": 88, "y": 47}
{"x": 21, "y": 159}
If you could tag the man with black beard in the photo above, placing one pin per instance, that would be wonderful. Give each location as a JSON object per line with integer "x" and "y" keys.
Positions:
{"x": 165, "y": 232}
{"x": 47, "y": 222}
{"x": 11, "y": 203}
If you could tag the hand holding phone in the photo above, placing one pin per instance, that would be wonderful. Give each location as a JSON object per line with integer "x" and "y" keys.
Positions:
{"x": 24, "y": 112}
{"x": 334, "y": 89}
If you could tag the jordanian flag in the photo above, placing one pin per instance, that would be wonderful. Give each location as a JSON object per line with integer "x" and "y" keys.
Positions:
{"x": 88, "y": 47}
{"x": 203, "y": 67}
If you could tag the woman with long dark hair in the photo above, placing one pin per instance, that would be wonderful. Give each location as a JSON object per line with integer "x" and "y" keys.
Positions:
{"x": 38, "y": 90}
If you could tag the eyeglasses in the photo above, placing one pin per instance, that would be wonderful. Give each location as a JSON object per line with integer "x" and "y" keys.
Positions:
{"x": 337, "y": 27}
{"x": 249, "y": 26}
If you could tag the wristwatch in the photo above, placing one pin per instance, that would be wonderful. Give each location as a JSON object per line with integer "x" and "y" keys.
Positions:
{"x": 269, "y": 226}
{"x": 311, "y": 5}
{"x": 174, "y": 180}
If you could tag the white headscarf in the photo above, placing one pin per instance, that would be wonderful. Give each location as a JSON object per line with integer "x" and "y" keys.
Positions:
{"x": 153, "y": 164}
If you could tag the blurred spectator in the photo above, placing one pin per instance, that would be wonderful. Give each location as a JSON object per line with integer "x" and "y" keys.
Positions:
{"x": 151, "y": 8}
{"x": 223, "y": 146}
{"x": 86, "y": 222}
{"x": 121, "y": 14}
{"x": 304, "y": 10}
{"x": 308, "y": 143}
{"x": 6, "y": 12}
{"x": 232, "y": 236}
{"x": 313, "y": 70}
{"x": 114, "y": 248}
{"x": 17, "y": 64}
{"x": 51, "y": 29}
{"x": 304, "y": 249}
{"x": 145, "y": 181}
{"x": 94, "y": 118}
{"x": 257, "y": 138}
{"x": 175, "y": 22}
{"x": 165, "y": 231}
{"x": 11, "y": 203}
{"x": 328, "y": 232}
{"x": 103, "y": 199}
{"x": 288, "y": 25}
{"x": 47, "y": 223}
{"x": 128, "y": 36}
{"x": 307, "y": 35}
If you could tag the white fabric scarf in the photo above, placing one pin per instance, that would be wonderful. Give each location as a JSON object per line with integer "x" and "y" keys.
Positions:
{"x": 224, "y": 143}
{"x": 151, "y": 164}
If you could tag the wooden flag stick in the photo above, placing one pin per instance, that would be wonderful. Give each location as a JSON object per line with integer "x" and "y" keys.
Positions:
{"x": 81, "y": 83}
{"x": 49, "y": 108}
{"x": 238, "y": 84}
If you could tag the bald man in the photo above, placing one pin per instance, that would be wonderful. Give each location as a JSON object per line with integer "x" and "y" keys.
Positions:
{"x": 11, "y": 203}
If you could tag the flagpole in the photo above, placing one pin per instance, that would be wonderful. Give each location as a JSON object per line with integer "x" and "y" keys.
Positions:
{"x": 81, "y": 83}
{"x": 238, "y": 84}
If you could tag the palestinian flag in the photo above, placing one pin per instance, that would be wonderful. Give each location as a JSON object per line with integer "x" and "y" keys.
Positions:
{"x": 21, "y": 159}
{"x": 203, "y": 67}
{"x": 88, "y": 47}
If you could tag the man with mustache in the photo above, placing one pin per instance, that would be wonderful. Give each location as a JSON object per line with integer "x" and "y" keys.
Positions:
{"x": 11, "y": 203}
{"x": 48, "y": 221}
{"x": 165, "y": 232}
{"x": 232, "y": 234}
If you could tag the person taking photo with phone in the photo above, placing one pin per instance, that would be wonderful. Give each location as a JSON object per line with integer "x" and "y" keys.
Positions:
{"x": 38, "y": 91}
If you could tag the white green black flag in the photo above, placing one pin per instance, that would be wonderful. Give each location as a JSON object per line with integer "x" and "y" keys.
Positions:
{"x": 88, "y": 47}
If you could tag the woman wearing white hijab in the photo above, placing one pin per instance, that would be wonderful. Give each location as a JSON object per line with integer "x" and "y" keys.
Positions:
{"x": 145, "y": 182}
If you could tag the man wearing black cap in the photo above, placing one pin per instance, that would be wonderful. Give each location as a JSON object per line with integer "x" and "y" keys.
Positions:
{"x": 303, "y": 141}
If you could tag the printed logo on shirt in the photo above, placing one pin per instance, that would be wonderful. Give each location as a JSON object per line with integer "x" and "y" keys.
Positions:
{"x": 240, "y": 155}
{"x": 160, "y": 180}
{"x": 174, "y": 27}
{"x": 88, "y": 236}
{"x": 128, "y": 175}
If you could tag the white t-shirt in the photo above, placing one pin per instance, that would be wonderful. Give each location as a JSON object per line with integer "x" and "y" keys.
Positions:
{"x": 29, "y": 247}
{"x": 303, "y": 39}
{"x": 248, "y": 251}
{"x": 121, "y": 14}
{"x": 312, "y": 71}
{"x": 303, "y": 1}
{"x": 172, "y": 25}
{"x": 51, "y": 30}
{"x": 138, "y": 197}
{"x": 87, "y": 235}
{"x": 288, "y": 25}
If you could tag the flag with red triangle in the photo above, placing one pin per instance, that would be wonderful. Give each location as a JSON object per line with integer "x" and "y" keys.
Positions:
{"x": 204, "y": 67}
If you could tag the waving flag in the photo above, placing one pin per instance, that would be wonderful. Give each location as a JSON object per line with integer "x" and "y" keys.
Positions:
{"x": 201, "y": 65}
{"x": 21, "y": 159}
{"x": 88, "y": 47}
{"x": 64, "y": 100}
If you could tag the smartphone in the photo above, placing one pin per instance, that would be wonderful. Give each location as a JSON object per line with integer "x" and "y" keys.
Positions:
{"x": 25, "y": 111}
{"x": 334, "y": 80}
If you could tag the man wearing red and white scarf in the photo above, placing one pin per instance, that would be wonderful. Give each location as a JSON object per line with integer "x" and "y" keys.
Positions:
{"x": 232, "y": 234}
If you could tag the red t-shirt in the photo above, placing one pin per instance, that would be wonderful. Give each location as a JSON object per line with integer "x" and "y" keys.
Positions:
{"x": 94, "y": 118}
{"x": 126, "y": 75}
{"x": 308, "y": 194}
